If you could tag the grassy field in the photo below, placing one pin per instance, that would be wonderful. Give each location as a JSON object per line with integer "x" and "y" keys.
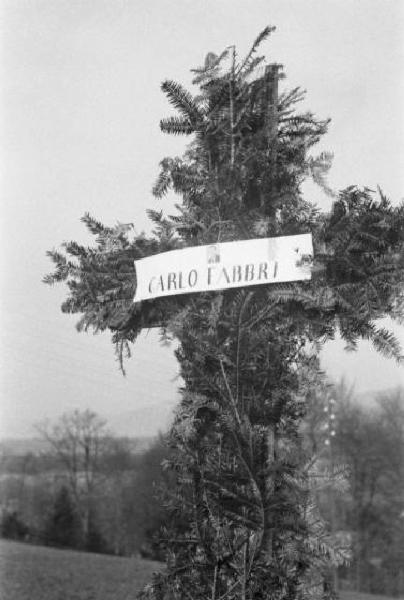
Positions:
{"x": 38, "y": 573}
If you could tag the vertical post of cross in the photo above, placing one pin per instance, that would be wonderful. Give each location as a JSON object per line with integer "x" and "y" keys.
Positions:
{"x": 271, "y": 99}
{"x": 272, "y": 77}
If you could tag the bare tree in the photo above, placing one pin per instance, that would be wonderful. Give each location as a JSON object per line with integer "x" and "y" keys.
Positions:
{"x": 80, "y": 440}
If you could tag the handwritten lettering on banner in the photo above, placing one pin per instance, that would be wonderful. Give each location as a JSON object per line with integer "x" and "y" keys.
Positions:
{"x": 226, "y": 265}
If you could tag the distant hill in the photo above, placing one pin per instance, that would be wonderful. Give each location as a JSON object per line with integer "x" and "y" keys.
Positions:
{"x": 141, "y": 425}
{"x": 21, "y": 446}
{"x": 37, "y": 446}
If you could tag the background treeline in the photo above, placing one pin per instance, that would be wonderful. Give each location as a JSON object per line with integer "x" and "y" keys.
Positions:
{"x": 362, "y": 444}
{"x": 110, "y": 508}
{"x": 103, "y": 493}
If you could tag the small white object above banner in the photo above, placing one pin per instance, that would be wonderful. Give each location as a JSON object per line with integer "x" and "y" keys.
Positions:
{"x": 226, "y": 265}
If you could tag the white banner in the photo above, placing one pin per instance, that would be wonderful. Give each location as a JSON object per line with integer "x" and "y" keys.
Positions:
{"x": 221, "y": 266}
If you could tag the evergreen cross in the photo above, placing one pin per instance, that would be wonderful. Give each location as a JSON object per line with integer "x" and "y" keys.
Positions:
{"x": 242, "y": 522}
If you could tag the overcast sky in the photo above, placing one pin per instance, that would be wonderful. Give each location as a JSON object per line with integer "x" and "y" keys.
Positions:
{"x": 80, "y": 107}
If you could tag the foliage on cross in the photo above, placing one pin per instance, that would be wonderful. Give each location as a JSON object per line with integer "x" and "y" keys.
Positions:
{"x": 244, "y": 482}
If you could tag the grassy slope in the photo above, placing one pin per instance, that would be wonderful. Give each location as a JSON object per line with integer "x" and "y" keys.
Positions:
{"x": 38, "y": 573}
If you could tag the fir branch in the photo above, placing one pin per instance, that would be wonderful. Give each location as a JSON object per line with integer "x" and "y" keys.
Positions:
{"x": 177, "y": 126}
{"x": 265, "y": 33}
{"x": 182, "y": 100}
